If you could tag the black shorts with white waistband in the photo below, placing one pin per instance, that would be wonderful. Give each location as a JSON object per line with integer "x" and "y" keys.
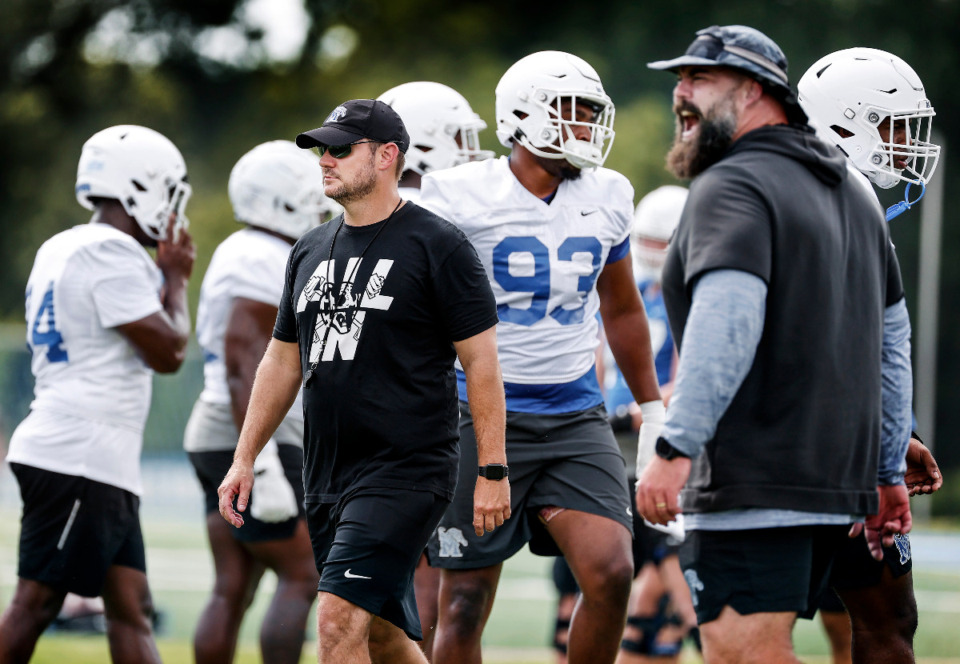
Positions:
{"x": 74, "y": 529}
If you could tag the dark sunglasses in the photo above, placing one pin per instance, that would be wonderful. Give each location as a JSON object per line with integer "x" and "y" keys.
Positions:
{"x": 707, "y": 46}
{"x": 340, "y": 151}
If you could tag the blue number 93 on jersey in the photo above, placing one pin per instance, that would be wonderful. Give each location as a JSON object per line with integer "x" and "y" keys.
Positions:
{"x": 535, "y": 279}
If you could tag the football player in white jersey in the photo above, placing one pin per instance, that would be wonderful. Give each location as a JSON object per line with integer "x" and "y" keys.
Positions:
{"x": 102, "y": 316}
{"x": 444, "y": 132}
{"x": 552, "y": 229}
{"x": 277, "y": 192}
{"x": 872, "y": 105}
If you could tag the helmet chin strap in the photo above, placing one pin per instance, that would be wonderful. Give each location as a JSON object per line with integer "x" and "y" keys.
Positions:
{"x": 897, "y": 209}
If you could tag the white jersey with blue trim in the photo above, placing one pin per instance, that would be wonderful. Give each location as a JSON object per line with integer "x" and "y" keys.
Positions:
{"x": 85, "y": 282}
{"x": 249, "y": 264}
{"x": 542, "y": 259}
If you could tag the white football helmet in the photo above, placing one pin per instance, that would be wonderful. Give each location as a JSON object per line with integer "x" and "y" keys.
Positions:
{"x": 529, "y": 97}
{"x": 436, "y": 117}
{"x": 853, "y": 94}
{"x": 656, "y": 218}
{"x": 141, "y": 169}
{"x": 278, "y": 186}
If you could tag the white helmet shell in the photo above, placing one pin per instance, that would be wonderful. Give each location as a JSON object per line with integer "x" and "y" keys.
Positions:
{"x": 437, "y": 117}
{"x": 656, "y": 218}
{"x": 853, "y": 94}
{"x": 278, "y": 186}
{"x": 141, "y": 169}
{"x": 529, "y": 99}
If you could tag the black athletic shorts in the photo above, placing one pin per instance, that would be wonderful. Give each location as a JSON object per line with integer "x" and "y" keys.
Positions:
{"x": 854, "y": 568}
{"x": 74, "y": 529}
{"x": 570, "y": 461}
{"x": 367, "y": 547}
{"x": 212, "y": 467}
{"x": 759, "y": 571}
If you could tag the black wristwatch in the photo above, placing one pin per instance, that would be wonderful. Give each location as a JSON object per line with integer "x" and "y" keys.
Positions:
{"x": 667, "y": 451}
{"x": 494, "y": 471}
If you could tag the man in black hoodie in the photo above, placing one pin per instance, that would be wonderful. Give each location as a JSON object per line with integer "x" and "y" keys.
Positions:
{"x": 784, "y": 296}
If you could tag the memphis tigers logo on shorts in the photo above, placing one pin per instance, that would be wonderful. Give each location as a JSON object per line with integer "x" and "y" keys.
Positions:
{"x": 902, "y": 543}
{"x": 451, "y": 539}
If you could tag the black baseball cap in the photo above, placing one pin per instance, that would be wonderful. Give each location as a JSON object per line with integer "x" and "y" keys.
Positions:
{"x": 747, "y": 50}
{"x": 356, "y": 120}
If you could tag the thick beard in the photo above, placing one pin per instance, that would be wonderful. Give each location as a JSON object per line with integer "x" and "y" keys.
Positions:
{"x": 361, "y": 187}
{"x": 559, "y": 168}
{"x": 688, "y": 159}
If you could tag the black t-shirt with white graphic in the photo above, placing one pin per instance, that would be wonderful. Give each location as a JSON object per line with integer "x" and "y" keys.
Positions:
{"x": 380, "y": 409}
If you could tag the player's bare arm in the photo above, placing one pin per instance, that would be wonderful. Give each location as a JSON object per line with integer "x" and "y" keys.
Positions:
{"x": 249, "y": 330}
{"x": 274, "y": 391}
{"x": 627, "y": 330}
{"x": 161, "y": 338}
{"x": 478, "y": 356}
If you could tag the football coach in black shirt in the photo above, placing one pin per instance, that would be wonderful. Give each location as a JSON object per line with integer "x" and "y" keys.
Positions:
{"x": 784, "y": 296}
{"x": 377, "y": 307}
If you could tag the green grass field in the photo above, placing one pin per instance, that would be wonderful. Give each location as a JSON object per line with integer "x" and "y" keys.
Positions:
{"x": 180, "y": 572}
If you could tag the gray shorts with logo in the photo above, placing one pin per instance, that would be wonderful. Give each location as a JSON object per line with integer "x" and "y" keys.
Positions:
{"x": 570, "y": 461}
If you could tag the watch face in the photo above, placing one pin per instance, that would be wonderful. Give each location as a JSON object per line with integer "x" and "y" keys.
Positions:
{"x": 493, "y": 471}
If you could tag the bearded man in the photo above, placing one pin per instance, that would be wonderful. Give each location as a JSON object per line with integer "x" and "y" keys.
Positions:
{"x": 785, "y": 299}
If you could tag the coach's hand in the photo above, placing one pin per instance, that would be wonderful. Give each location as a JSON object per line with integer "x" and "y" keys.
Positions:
{"x": 236, "y": 484}
{"x": 658, "y": 489}
{"x": 491, "y": 504}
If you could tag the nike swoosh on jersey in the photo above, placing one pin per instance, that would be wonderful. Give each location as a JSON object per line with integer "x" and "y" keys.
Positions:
{"x": 351, "y": 575}
{"x": 584, "y": 213}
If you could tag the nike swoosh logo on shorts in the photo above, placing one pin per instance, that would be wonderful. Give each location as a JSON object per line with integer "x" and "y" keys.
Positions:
{"x": 350, "y": 575}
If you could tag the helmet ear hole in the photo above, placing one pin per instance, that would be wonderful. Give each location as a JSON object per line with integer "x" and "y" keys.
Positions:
{"x": 841, "y": 131}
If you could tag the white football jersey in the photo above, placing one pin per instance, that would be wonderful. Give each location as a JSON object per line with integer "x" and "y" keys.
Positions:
{"x": 542, "y": 259}
{"x": 86, "y": 281}
{"x": 250, "y": 264}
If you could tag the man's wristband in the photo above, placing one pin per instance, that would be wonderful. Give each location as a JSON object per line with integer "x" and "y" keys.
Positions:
{"x": 494, "y": 471}
{"x": 667, "y": 451}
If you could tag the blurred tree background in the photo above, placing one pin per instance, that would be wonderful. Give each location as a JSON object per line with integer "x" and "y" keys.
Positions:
{"x": 220, "y": 76}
